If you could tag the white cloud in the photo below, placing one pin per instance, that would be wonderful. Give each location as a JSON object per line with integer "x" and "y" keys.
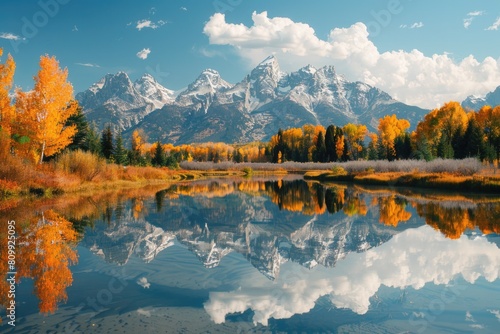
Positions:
{"x": 417, "y": 257}
{"x": 468, "y": 22}
{"x": 476, "y": 13}
{"x": 470, "y": 17}
{"x": 411, "y": 77}
{"x": 87, "y": 65}
{"x": 8, "y": 35}
{"x": 143, "y": 281}
{"x": 209, "y": 53}
{"x": 184, "y": 9}
{"x": 141, "y": 24}
{"x": 495, "y": 25}
{"x": 144, "y": 53}
{"x": 416, "y": 25}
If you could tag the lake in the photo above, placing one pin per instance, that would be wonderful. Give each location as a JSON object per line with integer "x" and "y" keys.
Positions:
{"x": 273, "y": 254}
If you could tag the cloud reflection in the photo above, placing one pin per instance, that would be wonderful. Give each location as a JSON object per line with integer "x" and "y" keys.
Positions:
{"x": 416, "y": 257}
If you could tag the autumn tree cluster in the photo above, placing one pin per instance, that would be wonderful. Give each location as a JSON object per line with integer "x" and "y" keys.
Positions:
{"x": 33, "y": 125}
{"x": 448, "y": 132}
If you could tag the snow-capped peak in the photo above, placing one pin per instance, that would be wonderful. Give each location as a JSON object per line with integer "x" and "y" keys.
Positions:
{"x": 308, "y": 69}
{"x": 153, "y": 91}
{"x": 208, "y": 81}
{"x": 201, "y": 93}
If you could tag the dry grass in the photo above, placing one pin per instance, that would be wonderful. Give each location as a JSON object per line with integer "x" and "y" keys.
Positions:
{"x": 83, "y": 164}
{"x": 73, "y": 172}
{"x": 468, "y": 166}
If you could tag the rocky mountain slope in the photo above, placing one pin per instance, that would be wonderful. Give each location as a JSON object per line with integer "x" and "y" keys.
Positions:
{"x": 475, "y": 102}
{"x": 211, "y": 109}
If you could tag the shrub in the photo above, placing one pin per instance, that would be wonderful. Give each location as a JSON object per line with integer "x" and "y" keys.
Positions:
{"x": 13, "y": 169}
{"x": 248, "y": 171}
{"x": 337, "y": 170}
{"x": 84, "y": 164}
{"x": 8, "y": 188}
{"x": 370, "y": 170}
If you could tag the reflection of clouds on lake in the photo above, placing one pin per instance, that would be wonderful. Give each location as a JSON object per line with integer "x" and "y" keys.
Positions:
{"x": 496, "y": 313}
{"x": 143, "y": 281}
{"x": 410, "y": 259}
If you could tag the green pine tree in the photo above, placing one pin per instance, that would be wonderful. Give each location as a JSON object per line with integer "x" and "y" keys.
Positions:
{"x": 120, "y": 154}
{"x": 320, "y": 151}
{"x": 107, "y": 147}
{"x": 81, "y": 138}
{"x": 159, "y": 159}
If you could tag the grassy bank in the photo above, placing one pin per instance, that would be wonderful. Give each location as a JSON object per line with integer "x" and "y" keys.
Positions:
{"x": 441, "y": 181}
{"x": 78, "y": 171}
{"x": 82, "y": 172}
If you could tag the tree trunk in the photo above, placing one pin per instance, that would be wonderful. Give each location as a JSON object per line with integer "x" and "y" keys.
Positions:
{"x": 43, "y": 151}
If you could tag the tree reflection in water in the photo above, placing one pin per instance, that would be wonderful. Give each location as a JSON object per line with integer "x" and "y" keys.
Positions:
{"x": 44, "y": 252}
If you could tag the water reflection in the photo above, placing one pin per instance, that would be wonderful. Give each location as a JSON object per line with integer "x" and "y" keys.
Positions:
{"x": 272, "y": 222}
{"x": 411, "y": 259}
{"x": 45, "y": 250}
{"x": 307, "y": 239}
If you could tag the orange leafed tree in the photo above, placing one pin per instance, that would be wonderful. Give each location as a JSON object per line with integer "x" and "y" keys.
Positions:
{"x": 354, "y": 135}
{"x": 389, "y": 128}
{"x": 42, "y": 113}
{"x": 6, "y": 109}
{"x": 138, "y": 143}
{"x": 445, "y": 121}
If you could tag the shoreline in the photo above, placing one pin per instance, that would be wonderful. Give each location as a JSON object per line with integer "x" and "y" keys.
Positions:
{"x": 440, "y": 181}
{"x": 476, "y": 183}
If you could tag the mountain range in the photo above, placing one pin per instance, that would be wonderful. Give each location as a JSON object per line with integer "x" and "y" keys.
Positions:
{"x": 211, "y": 109}
{"x": 267, "y": 99}
{"x": 475, "y": 102}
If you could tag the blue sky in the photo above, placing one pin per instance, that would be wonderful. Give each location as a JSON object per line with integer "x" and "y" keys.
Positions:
{"x": 420, "y": 51}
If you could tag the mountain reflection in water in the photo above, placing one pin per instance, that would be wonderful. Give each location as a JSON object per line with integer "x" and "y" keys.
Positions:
{"x": 283, "y": 228}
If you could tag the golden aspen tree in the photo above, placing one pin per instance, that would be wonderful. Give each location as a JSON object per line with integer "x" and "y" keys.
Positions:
{"x": 440, "y": 125}
{"x": 43, "y": 112}
{"x": 354, "y": 135}
{"x": 7, "y": 110}
{"x": 389, "y": 128}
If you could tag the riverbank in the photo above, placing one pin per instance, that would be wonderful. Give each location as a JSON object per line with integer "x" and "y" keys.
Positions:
{"x": 20, "y": 180}
{"x": 441, "y": 181}
{"x": 85, "y": 173}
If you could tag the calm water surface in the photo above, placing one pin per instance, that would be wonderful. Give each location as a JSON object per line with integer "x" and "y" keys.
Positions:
{"x": 259, "y": 255}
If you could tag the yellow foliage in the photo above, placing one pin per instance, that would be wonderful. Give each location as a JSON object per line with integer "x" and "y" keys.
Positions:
{"x": 443, "y": 121}
{"x": 42, "y": 113}
{"x": 354, "y": 135}
{"x": 389, "y": 128}
{"x": 392, "y": 212}
{"x": 7, "y": 111}
{"x": 46, "y": 255}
